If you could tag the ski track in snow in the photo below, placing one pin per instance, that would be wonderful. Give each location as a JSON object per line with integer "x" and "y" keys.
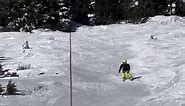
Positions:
{"x": 97, "y": 53}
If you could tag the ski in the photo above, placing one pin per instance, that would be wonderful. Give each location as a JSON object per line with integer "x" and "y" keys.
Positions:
{"x": 134, "y": 78}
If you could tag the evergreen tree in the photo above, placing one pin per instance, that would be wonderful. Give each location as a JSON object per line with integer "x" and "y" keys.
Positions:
{"x": 79, "y": 11}
{"x": 22, "y": 15}
{"x": 140, "y": 11}
{"x": 12, "y": 12}
{"x": 64, "y": 16}
{"x": 114, "y": 10}
{"x": 91, "y": 12}
{"x": 171, "y": 7}
{"x": 180, "y": 8}
{"x": 11, "y": 88}
{"x": 48, "y": 9}
{"x": 147, "y": 8}
{"x": 103, "y": 12}
{"x": 160, "y": 6}
{"x": 1, "y": 89}
{"x": 3, "y": 12}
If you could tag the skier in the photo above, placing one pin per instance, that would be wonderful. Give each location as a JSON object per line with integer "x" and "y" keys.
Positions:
{"x": 25, "y": 45}
{"x": 125, "y": 67}
{"x": 152, "y": 37}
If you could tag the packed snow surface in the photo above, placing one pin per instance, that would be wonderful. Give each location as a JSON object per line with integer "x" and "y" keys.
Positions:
{"x": 97, "y": 53}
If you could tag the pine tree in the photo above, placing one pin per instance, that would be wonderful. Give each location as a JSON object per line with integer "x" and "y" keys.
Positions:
{"x": 115, "y": 10}
{"x": 79, "y": 11}
{"x": 171, "y": 7}
{"x": 3, "y": 12}
{"x": 49, "y": 14}
{"x": 180, "y": 8}
{"x": 91, "y": 13}
{"x": 147, "y": 7}
{"x": 103, "y": 12}
{"x": 1, "y": 89}
{"x": 160, "y": 6}
{"x": 11, "y": 88}
{"x": 64, "y": 16}
{"x": 22, "y": 15}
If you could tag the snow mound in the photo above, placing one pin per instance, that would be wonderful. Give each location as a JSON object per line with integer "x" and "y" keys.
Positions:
{"x": 170, "y": 20}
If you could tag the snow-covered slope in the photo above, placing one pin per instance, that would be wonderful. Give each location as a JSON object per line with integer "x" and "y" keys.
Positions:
{"x": 97, "y": 53}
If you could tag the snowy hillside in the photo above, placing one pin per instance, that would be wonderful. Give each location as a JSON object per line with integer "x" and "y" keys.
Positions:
{"x": 97, "y": 53}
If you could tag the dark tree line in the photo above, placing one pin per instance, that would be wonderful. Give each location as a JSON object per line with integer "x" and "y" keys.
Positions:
{"x": 26, "y": 15}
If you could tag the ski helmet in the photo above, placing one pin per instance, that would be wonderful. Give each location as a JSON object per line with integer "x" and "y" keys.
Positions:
{"x": 125, "y": 61}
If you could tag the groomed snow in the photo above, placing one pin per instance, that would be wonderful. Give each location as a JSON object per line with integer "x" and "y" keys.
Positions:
{"x": 97, "y": 53}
